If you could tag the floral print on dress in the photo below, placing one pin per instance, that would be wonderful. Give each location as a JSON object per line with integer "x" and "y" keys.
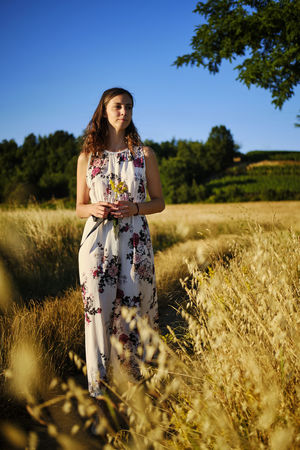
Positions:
{"x": 141, "y": 188}
{"x": 88, "y": 304}
{"x": 140, "y": 255}
{"x": 138, "y": 162}
{"x": 116, "y": 268}
{"x": 129, "y": 338}
{"x": 107, "y": 273}
{"x": 96, "y": 167}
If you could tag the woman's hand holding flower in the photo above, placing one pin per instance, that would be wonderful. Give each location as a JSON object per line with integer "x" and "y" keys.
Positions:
{"x": 124, "y": 209}
{"x": 102, "y": 209}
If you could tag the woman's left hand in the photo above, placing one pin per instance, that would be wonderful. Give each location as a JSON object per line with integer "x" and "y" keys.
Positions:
{"x": 124, "y": 209}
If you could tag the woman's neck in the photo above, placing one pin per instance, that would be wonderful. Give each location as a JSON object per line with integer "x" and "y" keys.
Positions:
{"x": 116, "y": 141}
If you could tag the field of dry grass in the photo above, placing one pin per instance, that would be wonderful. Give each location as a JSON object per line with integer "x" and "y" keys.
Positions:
{"x": 229, "y": 217}
{"x": 223, "y": 372}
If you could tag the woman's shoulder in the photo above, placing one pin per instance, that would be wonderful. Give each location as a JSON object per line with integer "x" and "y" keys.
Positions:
{"x": 150, "y": 158}
{"x": 83, "y": 161}
{"x": 83, "y": 157}
{"x": 148, "y": 152}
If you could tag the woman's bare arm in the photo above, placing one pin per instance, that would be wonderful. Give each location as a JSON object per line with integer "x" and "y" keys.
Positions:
{"x": 156, "y": 203}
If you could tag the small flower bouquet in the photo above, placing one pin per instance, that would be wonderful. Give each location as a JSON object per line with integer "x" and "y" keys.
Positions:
{"x": 120, "y": 193}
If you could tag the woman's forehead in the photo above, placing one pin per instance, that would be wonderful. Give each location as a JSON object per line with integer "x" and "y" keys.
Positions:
{"x": 122, "y": 99}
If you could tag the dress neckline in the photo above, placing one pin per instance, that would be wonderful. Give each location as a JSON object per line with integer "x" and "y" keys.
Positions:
{"x": 119, "y": 151}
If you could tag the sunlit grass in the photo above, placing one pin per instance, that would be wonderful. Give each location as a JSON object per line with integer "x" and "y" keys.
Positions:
{"x": 228, "y": 379}
{"x": 215, "y": 219}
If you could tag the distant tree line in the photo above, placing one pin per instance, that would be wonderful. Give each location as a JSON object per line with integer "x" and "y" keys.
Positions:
{"x": 185, "y": 166}
{"x": 41, "y": 168}
{"x": 45, "y": 167}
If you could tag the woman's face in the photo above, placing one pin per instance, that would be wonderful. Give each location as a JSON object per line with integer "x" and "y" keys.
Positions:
{"x": 119, "y": 111}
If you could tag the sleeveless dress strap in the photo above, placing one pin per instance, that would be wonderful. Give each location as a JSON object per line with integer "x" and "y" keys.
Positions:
{"x": 87, "y": 177}
{"x": 142, "y": 155}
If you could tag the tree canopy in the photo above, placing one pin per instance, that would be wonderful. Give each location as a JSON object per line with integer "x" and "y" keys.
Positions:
{"x": 265, "y": 33}
{"x": 44, "y": 167}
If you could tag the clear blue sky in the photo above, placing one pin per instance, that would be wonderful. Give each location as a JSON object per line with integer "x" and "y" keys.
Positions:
{"x": 57, "y": 57}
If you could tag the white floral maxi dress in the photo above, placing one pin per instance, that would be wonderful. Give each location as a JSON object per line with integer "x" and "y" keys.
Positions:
{"x": 116, "y": 265}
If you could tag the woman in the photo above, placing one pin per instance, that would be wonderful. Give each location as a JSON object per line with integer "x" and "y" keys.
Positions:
{"x": 115, "y": 259}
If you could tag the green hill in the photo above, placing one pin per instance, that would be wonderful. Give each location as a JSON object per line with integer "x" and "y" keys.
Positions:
{"x": 272, "y": 155}
{"x": 251, "y": 182}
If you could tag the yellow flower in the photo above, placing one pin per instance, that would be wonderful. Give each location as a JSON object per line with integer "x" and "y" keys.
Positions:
{"x": 119, "y": 188}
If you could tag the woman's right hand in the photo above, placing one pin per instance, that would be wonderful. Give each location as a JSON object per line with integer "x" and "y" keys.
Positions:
{"x": 101, "y": 209}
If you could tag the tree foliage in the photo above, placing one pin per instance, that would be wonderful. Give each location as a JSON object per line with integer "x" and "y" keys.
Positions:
{"x": 42, "y": 167}
{"x": 183, "y": 175}
{"x": 45, "y": 167}
{"x": 191, "y": 171}
{"x": 265, "y": 33}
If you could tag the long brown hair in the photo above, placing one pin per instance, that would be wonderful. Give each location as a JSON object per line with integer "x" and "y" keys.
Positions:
{"x": 96, "y": 133}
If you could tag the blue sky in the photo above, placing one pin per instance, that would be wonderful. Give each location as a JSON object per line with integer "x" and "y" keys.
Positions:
{"x": 59, "y": 56}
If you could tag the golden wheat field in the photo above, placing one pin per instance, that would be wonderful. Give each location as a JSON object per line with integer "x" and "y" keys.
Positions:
{"x": 222, "y": 373}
